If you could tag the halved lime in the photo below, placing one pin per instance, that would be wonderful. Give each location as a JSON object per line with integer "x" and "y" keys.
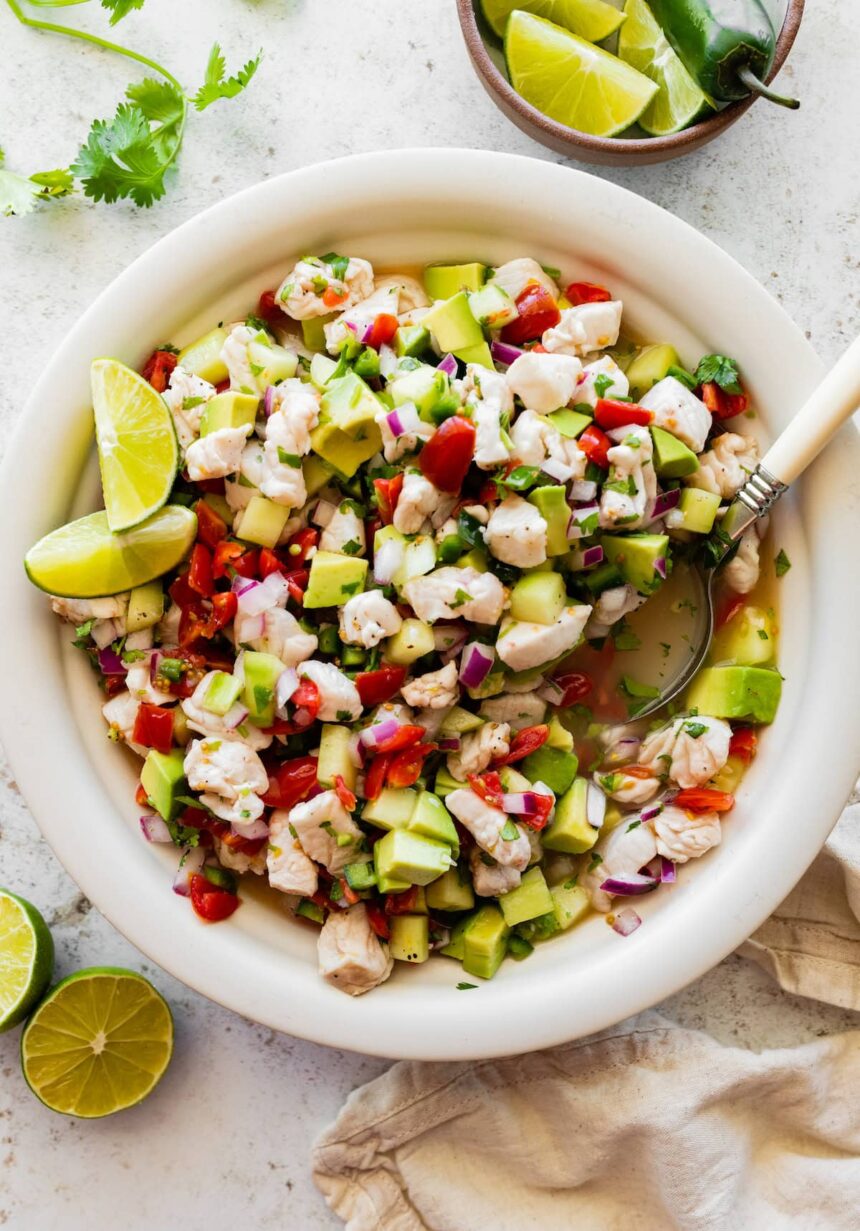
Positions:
{"x": 573, "y": 81}
{"x": 591, "y": 19}
{"x": 679, "y": 101}
{"x": 26, "y": 958}
{"x": 99, "y": 1042}
{"x": 138, "y": 450}
{"x": 84, "y": 560}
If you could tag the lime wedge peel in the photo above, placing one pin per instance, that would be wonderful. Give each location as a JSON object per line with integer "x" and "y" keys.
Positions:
{"x": 26, "y": 958}
{"x": 85, "y": 560}
{"x": 99, "y": 1042}
{"x": 590, "y": 19}
{"x": 679, "y": 101}
{"x": 572, "y": 81}
{"x": 138, "y": 449}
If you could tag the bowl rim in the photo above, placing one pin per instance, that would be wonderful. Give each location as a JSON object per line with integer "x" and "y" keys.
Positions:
{"x": 421, "y": 1021}
{"x": 699, "y": 133}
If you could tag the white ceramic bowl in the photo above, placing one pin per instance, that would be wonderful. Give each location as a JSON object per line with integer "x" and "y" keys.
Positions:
{"x": 411, "y": 207}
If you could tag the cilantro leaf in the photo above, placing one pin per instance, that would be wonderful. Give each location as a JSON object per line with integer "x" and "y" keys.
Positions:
{"x": 120, "y": 159}
{"x": 120, "y": 8}
{"x": 215, "y": 85}
{"x": 721, "y": 371}
{"x": 160, "y": 101}
{"x": 19, "y": 194}
{"x": 781, "y": 563}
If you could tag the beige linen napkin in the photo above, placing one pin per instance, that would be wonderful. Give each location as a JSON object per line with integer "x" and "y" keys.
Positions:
{"x": 646, "y": 1126}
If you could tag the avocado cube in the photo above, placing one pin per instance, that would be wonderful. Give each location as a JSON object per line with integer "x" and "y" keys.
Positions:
{"x": 390, "y": 884}
{"x": 538, "y": 598}
{"x": 163, "y": 778}
{"x": 431, "y": 819}
{"x": 672, "y": 458}
{"x": 444, "y": 281}
{"x": 751, "y": 693}
{"x": 456, "y": 946}
{"x": 344, "y": 453}
{"x": 262, "y": 672}
{"x": 748, "y": 640}
{"x": 410, "y": 938}
{"x": 491, "y": 686}
{"x": 493, "y": 307}
{"x": 552, "y": 504}
{"x": 408, "y": 857}
{"x": 335, "y": 758}
{"x": 530, "y": 899}
{"x": 570, "y": 831}
{"x": 262, "y": 521}
{"x": 696, "y": 511}
{"x": 411, "y": 340}
{"x": 554, "y": 766}
{"x": 485, "y": 942}
{"x": 412, "y": 641}
{"x": 635, "y": 555}
{"x": 569, "y": 423}
{"x": 452, "y": 324}
{"x": 452, "y": 891}
{"x": 570, "y": 904}
{"x": 559, "y": 736}
{"x": 475, "y": 558}
{"x": 222, "y": 692}
{"x": 480, "y": 353}
{"x": 145, "y": 606}
{"x": 316, "y": 474}
{"x": 350, "y": 404}
{"x": 203, "y": 357}
{"x": 334, "y": 579}
{"x": 229, "y": 409}
{"x": 391, "y": 809}
{"x": 445, "y": 783}
{"x": 649, "y": 366}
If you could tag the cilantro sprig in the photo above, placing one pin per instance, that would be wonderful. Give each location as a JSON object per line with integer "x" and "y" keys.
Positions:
{"x": 719, "y": 370}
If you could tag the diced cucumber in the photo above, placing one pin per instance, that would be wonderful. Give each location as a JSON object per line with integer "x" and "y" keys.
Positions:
{"x": 411, "y": 340}
{"x": 203, "y": 356}
{"x": 360, "y": 875}
{"x": 222, "y": 692}
{"x": 410, "y": 938}
{"x": 262, "y": 672}
{"x": 493, "y": 307}
{"x": 412, "y": 641}
{"x": 145, "y": 606}
{"x": 322, "y": 369}
{"x": 271, "y": 363}
{"x": 423, "y": 386}
{"x": 335, "y": 758}
{"x": 538, "y": 598}
{"x": 530, "y": 899}
{"x": 570, "y": 904}
{"x": 313, "y": 331}
{"x": 459, "y": 722}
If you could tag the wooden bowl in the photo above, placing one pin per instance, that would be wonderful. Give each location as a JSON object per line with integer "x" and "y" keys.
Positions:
{"x": 608, "y": 151}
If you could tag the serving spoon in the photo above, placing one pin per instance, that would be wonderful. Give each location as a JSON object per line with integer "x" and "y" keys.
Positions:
{"x": 814, "y": 425}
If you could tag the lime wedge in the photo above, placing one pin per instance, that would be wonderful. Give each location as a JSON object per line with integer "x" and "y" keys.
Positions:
{"x": 84, "y": 560}
{"x": 138, "y": 450}
{"x": 573, "y": 81}
{"x": 643, "y": 45}
{"x": 98, "y": 1043}
{"x": 26, "y": 958}
{"x": 591, "y": 19}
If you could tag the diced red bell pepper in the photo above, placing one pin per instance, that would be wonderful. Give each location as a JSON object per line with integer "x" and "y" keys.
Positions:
{"x": 610, "y": 413}
{"x": 377, "y": 919}
{"x": 300, "y": 544}
{"x": 332, "y": 297}
{"x": 192, "y": 627}
{"x": 402, "y": 903}
{"x": 374, "y": 779}
{"x": 211, "y": 527}
{"x": 382, "y": 330}
{"x": 153, "y": 727}
{"x": 200, "y": 571}
{"x": 723, "y": 405}
{"x": 538, "y": 821}
{"x": 344, "y": 794}
{"x": 488, "y": 786}
{"x": 268, "y": 563}
{"x": 743, "y": 744}
{"x": 296, "y": 584}
{"x": 732, "y": 603}
{"x": 538, "y": 312}
{"x": 405, "y": 768}
{"x": 211, "y": 902}
{"x": 306, "y": 699}
{"x": 231, "y": 557}
{"x": 387, "y": 494}
{"x": 586, "y": 292}
{"x": 703, "y": 799}
{"x": 447, "y": 455}
{"x": 524, "y": 742}
{"x": 576, "y": 685}
{"x": 158, "y": 369}
{"x": 268, "y": 310}
{"x": 290, "y": 782}
{"x": 488, "y": 493}
{"x": 595, "y": 445}
{"x": 406, "y": 736}
{"x": 376, "y": 687}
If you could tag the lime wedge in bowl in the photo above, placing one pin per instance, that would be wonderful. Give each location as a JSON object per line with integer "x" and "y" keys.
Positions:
{"x": 85, "y": 560}
{"x": 26, "y": 958}
{"x": 679, "y": 101}
{"x": 138, "y": 449}
{"x": 573, "y": 81}
{"x": 99, "y": 1042}
{"x": 594, "y": 20}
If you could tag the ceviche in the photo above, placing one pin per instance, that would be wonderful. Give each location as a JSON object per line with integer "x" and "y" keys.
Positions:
{"x": 384, "y": 645}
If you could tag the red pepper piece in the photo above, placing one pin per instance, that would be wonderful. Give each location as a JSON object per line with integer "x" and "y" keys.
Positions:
{"x": 538, "y": 311}
{"x": 743, "y": 744}
{"x": 158, "y": 369}
{"x": 153, "y": 727}
{"x": 232, "y": 557}
{"x": 729, "y": 608}
{"x": 268, "y": 563}
{"x": 376, "y": 687}
{"x": 211, "y": 527}
{"x": 576, "y": 685}
{"x": 402, "y": 903}
{"x": 332, "y": 297}
{"x": 377, "y": 920}
{"x": 387, "y": 494}
{"x": 488, "y": 786}
{"x": 382, "y": 331}
{"x": 344, "y": 794}
{"x": 586, "y": 292}
{"x": 545, "y": 803}
{"x": 610, "y": 413}
{"x": 374, "y": 779}
{"x": 721, "y": 404}
{"x": 268, "y": 309}
{"x": 703, "y": 799}
{"x": 404, "y": 737}
{"x": 200, "y": 571}
{"x": 300, "y": 544}
{"x": 211, "y": 902}
{"x": 447, "y": 455}
{"x": 595, "y": 445}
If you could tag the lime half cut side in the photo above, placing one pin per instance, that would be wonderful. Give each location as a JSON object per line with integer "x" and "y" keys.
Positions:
{"x": 594, "y": 20}
{"x": 679, "y": 101}
{"x": 572, "y": 81}
{"x": 138, "y": 449}
{"x": 26, "y": 958}
{"x": 99, "y": 1042}
{"x": 85, "y": 560}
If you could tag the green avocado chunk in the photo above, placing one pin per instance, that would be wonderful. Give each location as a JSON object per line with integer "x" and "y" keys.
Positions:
{"x": 163, "y": 778}
{"x": 444, "y": 281}
{"x": 485, "y": 942}
{"x": 552, "y": 504}
{"x": 405, "y": 856}
{"x": 530, "y": 899}
{"x": 650, "y": 366}
{"x": 751, "y": 693}
{"x": 538, "y": 598}
{"x": 672, "y": 458}
{"x": 636, "y": 555}
{"x": 570, "y": 831}
{"x": 452, "y": 891}
{"x": 554, "y": 766}
{"x": 334, "y": 579}
{"x": 453, "y": 325}
{"x": 229, "y": 409}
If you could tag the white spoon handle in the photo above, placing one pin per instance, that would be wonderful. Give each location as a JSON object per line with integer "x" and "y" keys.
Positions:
{"x": 824, "y": 412}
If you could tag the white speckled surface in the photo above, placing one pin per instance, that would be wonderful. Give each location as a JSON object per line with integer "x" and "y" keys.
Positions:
{"x": 224, "y": 1141}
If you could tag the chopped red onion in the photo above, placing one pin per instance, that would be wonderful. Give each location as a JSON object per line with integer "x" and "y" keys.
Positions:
{"x": 595, "y": 806}
{"x": 448, "y": 364}
{"x": 154, "y": 829}
{"x": 394, "y": 425}
{"x": 192, "y": 860}
{"x": 666, "y": 501}
{"x": 235, "y": 716}
{"x": 446, "y": 636}
{"x": 378, "y": 732}
{"x": 155, "y": 665}
{"x": 551, "y": 692}
{"x": 522, "y": 803}
{"x": 449, "y": 743}
{"x": 262, "y": 596}
{"x": 387, "y": 560}
{"x": 269, "y": 400}
{"x": 583, "y": 521}
{"x": 592, "y": 556}
{"x": 387, "y": 361}
{"x": 252, "y": 830}
{"x": 110, "y": 662}
{"x": 240, "y": 584}
{"x": 404, "y": 419}
{"x": 660, "y": 567}
{"x": 504, "y": 353}
{"x": 288, "y": 682}
{"x": 582, "y": 489}
{"x": 103, "y": 633}
{"x": 476, "y": 663}
{"x": 652, "y": 810}
{"x": 555, "y": 469}
{"x": 323, "y": 513}
{"x": 668, "y": 872}
{"x": 629, "y": 885}
{"x": 625, "y": 922}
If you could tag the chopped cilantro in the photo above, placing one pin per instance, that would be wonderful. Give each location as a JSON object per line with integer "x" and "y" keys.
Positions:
{"x": 470, "y": 529}
{"x": 665, "y": 648}
{"x": 763, "y": 635}
{"x": 624, "y": 638}
{"x": 337, "y": 264}
{"x": 289, "y": 459}
{"x": 343, "y": 715}
{"x": 694, "y": 729}
{"x": 254, "y": 322}
{"x": 602, "y": 383}
{"x": 719, "y": 370}
{"x": 596, "y": 861}
{"x": 633, "y": 825}
{"x": 460, "y": 597}
{"x": 82, "y": 634}
{"x": 352, "y": 548}
{"x": 571, "y": 882}
{"x": 681, "y": 374}
{"x": 782, "y": 563}
{"x": 133, "y": 656}
{"x": 466, "y": 987}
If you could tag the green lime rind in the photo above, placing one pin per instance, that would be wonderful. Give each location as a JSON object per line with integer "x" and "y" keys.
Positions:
{"x": 85, "y": 560}
{"x": 26, "y": 958}
{"x": 572, "y": 81}
{"x": 137, "y": 444}
{"x": 590, "y": 19}
{"x": 679, "y": 101}
{"x": 98, "y": 1043}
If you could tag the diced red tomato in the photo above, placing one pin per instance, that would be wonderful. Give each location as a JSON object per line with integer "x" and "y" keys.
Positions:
{"x": 595, "y": 445}
{"x": 525, "y": 742}
{"x": 381, "y": 331}
{"x": 268, "y": 310}
{"x": 387, "y": 494}
{"x": 211, "y": 902}
{"x": 306, "y": 699}
{"x": 200, "y": 571}
{"x": 743, "y": 744}
{"x": 300, "y": 544}
{"x": 721, "y": 404}
{"x": 610, "y": 413}
{"x": 347, "y": 892}
{"x": 537, "y": 310}
{"x": 488, "y": 786}
{"x": 447, "y": 455}
{"x": 406, "y": 736}
{"x": 374, "y": 779}
{"x": 296, "y": 584}
{"x": 158, "y": 369}
{"x": 576, "y": 685}
{"x": 268, "y": 563}
{"x": 729, "y": 608}
{"x": 586, "y": 292}
{"x": 153, "y": 727}
{"x": 375, "y": 687}
{"x": 377, "y": 919}
{"x": 140, "y": 796}
{"x": 194, "y": 626}
{"x": 333, "y": 297}
{"x": 405, "y": 768}
{"x": 703, "y": 799}
{"x": 290, "y": 782}
{"x": 232, "y": 557}
{"x": 211, "y": 527}
{"x": 488, "y": 493}
{"x": 402, "y": 903}
{"x": 344, "y": 794}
